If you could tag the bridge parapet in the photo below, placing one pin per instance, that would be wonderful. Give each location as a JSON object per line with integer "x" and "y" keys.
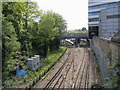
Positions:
{"x": 75, "y": 35}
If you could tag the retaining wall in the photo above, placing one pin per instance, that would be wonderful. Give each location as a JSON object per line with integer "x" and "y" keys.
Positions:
{"x": 105, "y": 52}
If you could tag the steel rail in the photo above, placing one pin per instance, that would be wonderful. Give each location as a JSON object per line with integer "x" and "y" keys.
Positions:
{"x": 58, "y": 72}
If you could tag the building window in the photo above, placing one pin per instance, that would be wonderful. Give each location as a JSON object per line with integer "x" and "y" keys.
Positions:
{"x": 92, "y": 2}
{"x": 94, "y": 7}
{"x": 93, "y": 19}
{"x": 94, "y": 13}
{"x": 104, "y": 6}
{"x": 113, "y": 16}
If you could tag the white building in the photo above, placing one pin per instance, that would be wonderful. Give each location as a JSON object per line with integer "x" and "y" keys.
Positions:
{"x": 95, "y": 7}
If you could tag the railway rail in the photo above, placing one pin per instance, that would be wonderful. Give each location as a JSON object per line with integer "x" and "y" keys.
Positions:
{"x": 74, "y": 71}
{"x": 58, "y": 75}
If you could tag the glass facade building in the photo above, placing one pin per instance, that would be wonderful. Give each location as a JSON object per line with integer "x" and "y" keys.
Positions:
{"x": 94, "y": 9}
{"x": 109, "y": 22}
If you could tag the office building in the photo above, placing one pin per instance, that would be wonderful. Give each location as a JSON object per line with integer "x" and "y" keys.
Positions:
{"x": 109, "y": 22}
{"x": 95, "y": 7}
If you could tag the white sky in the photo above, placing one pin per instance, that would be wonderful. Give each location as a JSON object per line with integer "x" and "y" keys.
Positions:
{"x": 75, "y": 12}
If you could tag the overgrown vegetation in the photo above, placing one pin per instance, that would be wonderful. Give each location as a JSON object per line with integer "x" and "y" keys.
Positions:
{"x": 21, "y": 82}
{"x": 98, "y": 83}
{"x": 115, "y": 80}
{"x": 96, "y": 86}
{"x": 114, "y": 67}
{"x": 27, "y": 31}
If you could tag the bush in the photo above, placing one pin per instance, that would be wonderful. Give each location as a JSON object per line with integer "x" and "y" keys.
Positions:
{"x": 95, "y": 85}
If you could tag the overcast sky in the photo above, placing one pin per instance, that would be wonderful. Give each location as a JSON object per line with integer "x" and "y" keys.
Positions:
{"x": 74, "y": 11}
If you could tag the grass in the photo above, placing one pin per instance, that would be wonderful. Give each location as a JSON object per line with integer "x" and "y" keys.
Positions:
{"x": 51, "y": 58}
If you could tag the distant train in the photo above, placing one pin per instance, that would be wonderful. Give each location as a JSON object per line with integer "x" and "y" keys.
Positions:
{"x": 67, "y": 42}
{"x": 72, "y": 43}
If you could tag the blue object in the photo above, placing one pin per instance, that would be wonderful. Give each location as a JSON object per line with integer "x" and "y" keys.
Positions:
{"x": 21, "y": 73}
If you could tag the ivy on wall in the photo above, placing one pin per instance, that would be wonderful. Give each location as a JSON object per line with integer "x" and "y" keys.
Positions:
{"x": 115, "y": 80}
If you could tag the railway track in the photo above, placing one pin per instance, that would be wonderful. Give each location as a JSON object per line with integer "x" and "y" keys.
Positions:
{"x": 70, "y": 74}
{"x": 52, "y": 83}
{"x": 78, "y": 73}
{"x": 83, "y": 79}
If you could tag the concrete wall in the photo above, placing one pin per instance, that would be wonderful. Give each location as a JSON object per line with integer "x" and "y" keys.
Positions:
{"x": 105, "y": 52}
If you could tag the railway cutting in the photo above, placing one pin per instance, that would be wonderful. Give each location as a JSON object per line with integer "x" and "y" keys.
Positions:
{"x": 76, "y": 70}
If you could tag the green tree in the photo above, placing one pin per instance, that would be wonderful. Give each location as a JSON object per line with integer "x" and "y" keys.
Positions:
{"x": 46, "y": 30}
{"x": 21, "y": 14}
{"x": 83, "y": 29}
{"x": 10, "y": 46}
{"x": 60, "y": 23}
{"x": 23, "y": 36}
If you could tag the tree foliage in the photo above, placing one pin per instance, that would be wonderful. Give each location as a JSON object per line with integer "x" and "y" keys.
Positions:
{"x": 115, "y": 79}
{"x": 83, "y": 30}
{"x": 23, "y": 36}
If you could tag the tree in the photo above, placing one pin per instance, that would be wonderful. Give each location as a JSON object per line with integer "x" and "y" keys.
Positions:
{"x": 60, "y": 23}
{"x": 21, "y": 14}
{"x": 23, "y": 37}
{"x": 46, "y": 30}
{"x": 83, "y": 29}
{"x": 10, "y": 46}
{"x": 47, "y": 35}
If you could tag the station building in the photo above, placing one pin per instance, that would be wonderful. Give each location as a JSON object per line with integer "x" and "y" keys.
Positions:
{"x": 95, "y": 10}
